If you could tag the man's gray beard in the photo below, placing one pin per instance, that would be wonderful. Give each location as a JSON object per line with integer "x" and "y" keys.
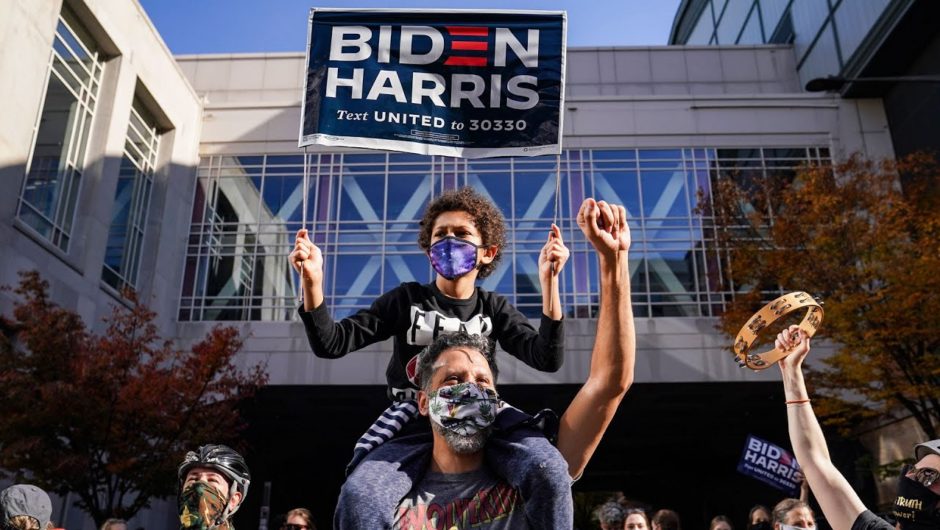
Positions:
{"x": 464, "y": 444}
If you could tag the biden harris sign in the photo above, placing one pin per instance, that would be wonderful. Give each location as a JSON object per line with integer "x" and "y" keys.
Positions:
{"x": 469, "y": 84}
{"x": 770, "y": 464}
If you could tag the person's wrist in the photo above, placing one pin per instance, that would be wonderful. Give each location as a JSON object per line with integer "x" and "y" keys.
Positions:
{"x": 613, "y": 261}
{"x": 313, "y": 278}
{"x": 793, "y": 381}
{"x": 792, "y": 369}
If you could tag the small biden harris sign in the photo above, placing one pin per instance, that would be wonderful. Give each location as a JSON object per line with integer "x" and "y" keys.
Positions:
{"x": 469, "y": 84}
{"x": 770, "y": 464}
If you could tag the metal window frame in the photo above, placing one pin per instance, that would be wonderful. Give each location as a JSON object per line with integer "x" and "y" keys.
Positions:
{"x": 78, "y": 131}
{"x": 699, "y": 299}
{"x": 141, "y": 191}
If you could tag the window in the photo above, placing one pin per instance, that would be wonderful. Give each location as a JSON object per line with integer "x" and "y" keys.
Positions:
{"x": 54, "y": 173}
{"x": 131, "y": 200}
{"x": 751, "y": 34}
{"x": 704, "y": 28}
{"x": 364, "y": 209}
{"x": 784, "y": 33}
{"x": 732, "y": 20}
{"x": 854, "y": 20}
{"x": 245, "y": 214}
{"x": 823, "y": 58}
{"x": 808, "y": 17}
{"x": 772, "y": 12}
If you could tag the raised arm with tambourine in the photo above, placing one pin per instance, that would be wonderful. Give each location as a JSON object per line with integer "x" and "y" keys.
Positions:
{"x": 770, "y": 313}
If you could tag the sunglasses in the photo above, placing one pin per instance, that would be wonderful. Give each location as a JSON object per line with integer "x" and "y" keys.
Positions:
{"x": 925, "y": 475}
{"x": 294, "y": 527}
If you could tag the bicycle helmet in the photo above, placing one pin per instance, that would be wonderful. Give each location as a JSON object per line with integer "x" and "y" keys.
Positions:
{"x": 224, "y": 460}
{"x": 926, "y": 448}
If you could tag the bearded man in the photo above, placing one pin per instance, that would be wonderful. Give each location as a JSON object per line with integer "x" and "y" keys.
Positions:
{"x": 452, "y": 486}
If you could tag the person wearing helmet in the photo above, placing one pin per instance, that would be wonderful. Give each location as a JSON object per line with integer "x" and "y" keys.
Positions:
{"x": 213, "y": 482}
{"x": 917, "y": 506}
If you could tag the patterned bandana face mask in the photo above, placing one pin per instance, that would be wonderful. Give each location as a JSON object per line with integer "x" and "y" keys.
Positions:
{"x": 202, "y": 507}
{"x": 453, "y": 257}
{"x": 915, "y": 508}
{"x": 464, "y": 409}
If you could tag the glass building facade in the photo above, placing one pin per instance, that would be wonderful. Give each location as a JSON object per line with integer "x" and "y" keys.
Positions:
{"x": 825, "y": 33}
{"x": 51, "y": 189}
{"x": 363, "y": 212}
{"x": 131, "y": 200}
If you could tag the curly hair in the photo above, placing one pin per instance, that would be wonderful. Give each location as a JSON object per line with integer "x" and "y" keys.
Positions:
{"x": 485, "y": 215}
{"x": 609, "y": 513}
{"x": 453, "y": 340}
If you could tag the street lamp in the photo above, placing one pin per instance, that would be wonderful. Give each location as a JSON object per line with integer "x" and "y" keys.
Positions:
{"x": 833, "y": 82}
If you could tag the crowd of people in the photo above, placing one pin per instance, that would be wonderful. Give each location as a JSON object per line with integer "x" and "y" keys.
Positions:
{"x": 449, "y": 453}
{"x": 623, "y": 514}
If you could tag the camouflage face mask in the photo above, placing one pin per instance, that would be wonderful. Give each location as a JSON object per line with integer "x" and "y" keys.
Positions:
{"x": 464, "y": 409}
{"x": 202, "y": 507}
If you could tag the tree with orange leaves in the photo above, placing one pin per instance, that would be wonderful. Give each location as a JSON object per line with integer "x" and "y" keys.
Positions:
{"x": 110, "y": 416}
{"x": 869, "y": 246}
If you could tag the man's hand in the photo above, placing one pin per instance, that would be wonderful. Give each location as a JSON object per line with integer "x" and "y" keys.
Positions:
{"x": 555, "y": 252}
{"x": 794, "y": 340}
{"x": 307, "y": 259}
{"x": 605, "y": 226}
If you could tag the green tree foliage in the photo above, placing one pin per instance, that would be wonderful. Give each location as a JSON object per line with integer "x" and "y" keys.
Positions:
{"x": 851, "y": 234}
{"x": 110, "y": 416}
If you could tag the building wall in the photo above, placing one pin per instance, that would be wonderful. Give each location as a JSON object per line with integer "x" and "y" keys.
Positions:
{"x": 666, "y": 97}
{"x": 136, "y": 61}
{"x": 134, "y": 56}
{"x": 913, "y": 109}
{"x": 826, "y": 34}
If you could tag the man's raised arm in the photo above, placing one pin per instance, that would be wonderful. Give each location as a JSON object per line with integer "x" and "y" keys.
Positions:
{"x": 612, "y": 360}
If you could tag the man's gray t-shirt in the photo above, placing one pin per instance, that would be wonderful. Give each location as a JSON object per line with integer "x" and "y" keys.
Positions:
{"x": 478, "y": 499}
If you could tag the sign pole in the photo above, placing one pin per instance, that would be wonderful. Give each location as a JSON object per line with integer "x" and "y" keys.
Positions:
{"x": 303, "y": 216}
{"x": 303, "y": 220}
{"x": 555, "y": 215}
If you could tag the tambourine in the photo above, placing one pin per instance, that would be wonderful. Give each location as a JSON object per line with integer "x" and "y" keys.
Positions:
{"x": 769, "y": 314}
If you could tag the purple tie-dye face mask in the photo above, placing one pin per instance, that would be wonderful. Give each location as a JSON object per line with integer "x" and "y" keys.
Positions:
{"x": 452, "y": 257}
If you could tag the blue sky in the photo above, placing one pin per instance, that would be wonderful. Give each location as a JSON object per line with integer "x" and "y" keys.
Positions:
{"x": 235, "y": 26}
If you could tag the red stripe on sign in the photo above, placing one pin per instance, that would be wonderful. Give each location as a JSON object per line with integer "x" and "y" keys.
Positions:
{"x": 466, "y": 31}
{"x": 465, "y": 61}
{"x": 479, "y": 45}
